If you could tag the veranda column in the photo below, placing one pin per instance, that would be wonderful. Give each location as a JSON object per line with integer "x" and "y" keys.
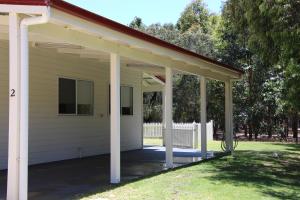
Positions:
{"x": 169, "y": 117}
{"x": 115, "y": 118}
{"x": 163, "y": 96}
{"x": 14, "y": 108}
{"x": 203, "y": 117}
{"x": 228, "y": 116}
{"x": 24, "y": 112}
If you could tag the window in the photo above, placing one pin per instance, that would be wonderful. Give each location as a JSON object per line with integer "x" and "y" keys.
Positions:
{"x": 76, "y": 97}
{"x": 85, "y": 97}
{"x": 67, "y": 96}
{"x": 126, "y": 100}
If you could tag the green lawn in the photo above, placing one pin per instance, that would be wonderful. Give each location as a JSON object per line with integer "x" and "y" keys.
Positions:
{"x": 153, "y": 141}
{"x": 255, "y": 171}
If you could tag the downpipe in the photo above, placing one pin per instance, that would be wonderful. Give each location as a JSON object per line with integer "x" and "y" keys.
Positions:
{"x": 24, "y": 96}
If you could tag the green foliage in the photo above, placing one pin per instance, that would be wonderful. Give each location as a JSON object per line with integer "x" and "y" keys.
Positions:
{"x": 196, "y": 40}
{"x": 167, "y": 32}
{"x": 215, "y": 104}
{"x": 189, "y": 34}
{"x": 195, "y": 15}
{"x": 261, "y": 37}
{"x": 186, "y": 98}
{"x": 152, "y": 102}
{"x": 137, "y": 23}
{"x": 292, "y": 86}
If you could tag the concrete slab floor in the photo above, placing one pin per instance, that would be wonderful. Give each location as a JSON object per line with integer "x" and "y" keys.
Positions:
{"x": 67, "y": 179}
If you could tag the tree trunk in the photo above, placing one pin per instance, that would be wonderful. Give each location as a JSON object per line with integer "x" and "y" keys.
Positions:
{"x": 270, "y": 125}
{"x": 255, "y": 135}
{"x": 286, "y": 130}
{"x": 245, "y": 130}
{"x": 254, "y": 129}
{"x": 215, "y": 131}
{"x": 269, "y": 131}
{"x": 295, "y": 121}
{"x": 250, "y": 131}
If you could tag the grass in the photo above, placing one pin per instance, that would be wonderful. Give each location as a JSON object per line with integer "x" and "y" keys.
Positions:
{"x": 153, "y": 141}
{"x": 255, "y": 171}
{"x": 214, "y": 146}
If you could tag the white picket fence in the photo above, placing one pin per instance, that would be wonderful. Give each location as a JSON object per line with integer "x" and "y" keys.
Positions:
{"x": 187, "y": 135}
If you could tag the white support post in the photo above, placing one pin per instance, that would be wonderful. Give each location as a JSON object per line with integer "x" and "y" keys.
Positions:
{"x": 203, "y": 117}
{"x": 169, "y": 117}
{"x": 163, "y": 114}
{"x": 115, "y": 174}
{"x": 24, "y": 113}
{"x": 20, "y": 49}
{"x": 228, "y": 117}
{"x": 14, "y": 108}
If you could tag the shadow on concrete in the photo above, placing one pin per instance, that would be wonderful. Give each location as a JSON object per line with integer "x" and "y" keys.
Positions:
{"x": 109, "y": 187}
{"x": 72, "y": 178}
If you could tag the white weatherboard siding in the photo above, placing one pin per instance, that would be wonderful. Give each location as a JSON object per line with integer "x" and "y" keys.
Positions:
{"x": 53, "y": 137}
{"x": 3, "y": 105}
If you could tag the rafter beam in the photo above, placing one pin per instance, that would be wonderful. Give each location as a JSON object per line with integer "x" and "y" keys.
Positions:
{"x": 98, "y": 44}
{"x": 81, "y": 25}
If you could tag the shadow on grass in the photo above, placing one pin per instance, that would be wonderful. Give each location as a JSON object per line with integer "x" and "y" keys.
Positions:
{"x": 275, "y": 174}
{"x": 109, "y": 187}
{"x": 289, "y": 146}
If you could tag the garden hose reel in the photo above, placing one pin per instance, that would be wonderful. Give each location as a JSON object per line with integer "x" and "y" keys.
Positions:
{"x": 224, "y": 145}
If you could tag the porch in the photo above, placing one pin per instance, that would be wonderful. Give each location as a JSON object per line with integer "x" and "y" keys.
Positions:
{"x": 67, "y": 179}
{"x": 64, "y": 68}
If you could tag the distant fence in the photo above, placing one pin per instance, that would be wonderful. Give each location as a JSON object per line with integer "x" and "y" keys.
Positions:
{"x": 184, "y": 134}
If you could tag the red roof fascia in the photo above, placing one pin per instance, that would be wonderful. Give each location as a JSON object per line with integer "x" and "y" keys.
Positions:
{"x": 97, "y": 19}
{"x": 26, "y": 2}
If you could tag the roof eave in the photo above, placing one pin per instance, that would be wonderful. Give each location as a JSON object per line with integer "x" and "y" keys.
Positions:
{"x": 97, "y": 19}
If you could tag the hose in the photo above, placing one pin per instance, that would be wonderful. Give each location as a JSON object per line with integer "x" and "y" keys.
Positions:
{"x": 224, "y": 145}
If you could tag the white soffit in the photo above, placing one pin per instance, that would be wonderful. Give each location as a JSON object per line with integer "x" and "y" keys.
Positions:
{"x": 75, "y": 23}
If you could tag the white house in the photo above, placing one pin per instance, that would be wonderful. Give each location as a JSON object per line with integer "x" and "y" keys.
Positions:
{"x": 64, "y": 72}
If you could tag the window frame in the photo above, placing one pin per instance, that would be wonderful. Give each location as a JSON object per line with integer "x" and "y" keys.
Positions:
{"x": 76, "y": 96}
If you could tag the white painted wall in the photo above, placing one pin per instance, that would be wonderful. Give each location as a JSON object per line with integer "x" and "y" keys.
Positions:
{"x": 53, "y": 137}
{"x": 3, "y": 104}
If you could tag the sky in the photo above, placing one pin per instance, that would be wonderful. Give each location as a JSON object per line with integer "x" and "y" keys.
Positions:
{"x": 151, "y": 11}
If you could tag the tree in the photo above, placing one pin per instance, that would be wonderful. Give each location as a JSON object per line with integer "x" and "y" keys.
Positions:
{"x": 167, "y": 32}
{"x": 137, "y": 23}
{"x": 292, "y": 94}
{"x": 215, "y": 104}
{"x": 152, "y": 107}
{"x": 196, "y": 38}
{"x": 261, "y": 37}
{"x": 186, "y": 98}
{"x": 246, "y": 43}
{"x": 273, "y": 27}
{"x": 194, "y": 15}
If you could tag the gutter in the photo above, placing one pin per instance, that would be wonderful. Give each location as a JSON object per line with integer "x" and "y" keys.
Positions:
{"x": 24, "y": 98}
